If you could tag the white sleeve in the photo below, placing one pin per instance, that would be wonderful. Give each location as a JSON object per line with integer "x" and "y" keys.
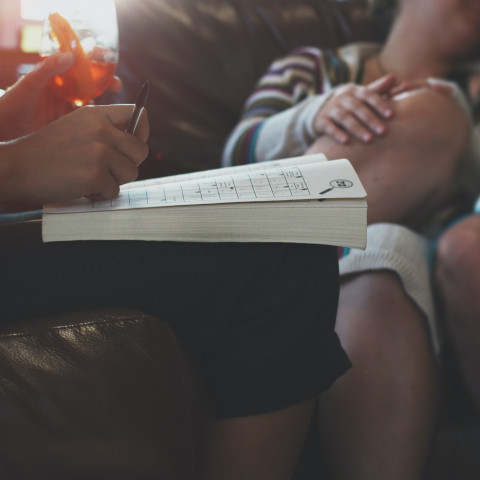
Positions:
{"x": 289, "y": 133}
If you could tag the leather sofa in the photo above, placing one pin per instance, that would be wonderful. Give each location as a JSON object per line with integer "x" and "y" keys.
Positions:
{"x": 111, "y": 394}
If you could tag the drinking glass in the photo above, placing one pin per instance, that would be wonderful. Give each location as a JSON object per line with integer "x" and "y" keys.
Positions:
{"x": 89, "y": 30}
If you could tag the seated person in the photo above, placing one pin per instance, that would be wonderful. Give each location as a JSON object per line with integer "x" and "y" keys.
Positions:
{"x": 250, "y": 315}
{"x": 457, "y": 267}
{"x": 410, "y": 137}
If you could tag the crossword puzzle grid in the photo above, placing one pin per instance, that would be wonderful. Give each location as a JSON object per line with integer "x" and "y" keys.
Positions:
{"x": 280, "y": 182}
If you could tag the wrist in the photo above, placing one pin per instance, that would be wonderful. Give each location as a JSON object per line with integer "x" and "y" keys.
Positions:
{"x": 6, "y": 116}
{"x": 11, "y": 179}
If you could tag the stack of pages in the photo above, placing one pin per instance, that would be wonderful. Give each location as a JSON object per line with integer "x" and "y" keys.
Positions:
{"x": 297, "y": 200}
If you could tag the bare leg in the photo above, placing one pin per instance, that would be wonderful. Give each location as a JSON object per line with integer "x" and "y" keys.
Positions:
{"x": 457, "y": 276}
{"x": 380, "y": 414}
{"x": 263, "y": 446}
{"x": 377, "y": 419}
{"x": 414, "y": 163}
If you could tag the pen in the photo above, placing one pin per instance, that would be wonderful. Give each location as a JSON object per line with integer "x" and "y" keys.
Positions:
{"x": 139, "y": 105}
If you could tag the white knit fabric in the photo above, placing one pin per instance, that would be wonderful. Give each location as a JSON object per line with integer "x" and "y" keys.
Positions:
{"x": 399, "y": 249}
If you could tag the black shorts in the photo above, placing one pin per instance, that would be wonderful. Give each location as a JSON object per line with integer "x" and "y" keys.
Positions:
{"x": 256, "y": 319}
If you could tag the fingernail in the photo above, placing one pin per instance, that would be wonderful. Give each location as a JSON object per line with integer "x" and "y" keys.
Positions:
{"x": 387, "y": 113}
{"x": 380, "y": 129}
{"x": 65, "y": 60}
{"x": 366, "y": 137}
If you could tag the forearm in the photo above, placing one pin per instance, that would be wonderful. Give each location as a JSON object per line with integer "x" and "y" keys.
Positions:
{"x": 285, "y": 134}
{"x": 290, "y": 133}
{"x": 5, "y": 116}
{"x": 11, "y": 185}
{"x": 11, "y": 116}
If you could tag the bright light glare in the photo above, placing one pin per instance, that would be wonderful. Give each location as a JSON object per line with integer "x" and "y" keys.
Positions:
{"x": 35, "y": 10}
{"x": 38, "y": 10}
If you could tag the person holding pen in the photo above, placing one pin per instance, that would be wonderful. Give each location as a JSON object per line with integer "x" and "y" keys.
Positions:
{"x": 45, "y": 158}
{"x": 256, "y": 319}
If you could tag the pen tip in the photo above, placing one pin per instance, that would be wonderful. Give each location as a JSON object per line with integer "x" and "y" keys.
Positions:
{"x": 142, "y": 97}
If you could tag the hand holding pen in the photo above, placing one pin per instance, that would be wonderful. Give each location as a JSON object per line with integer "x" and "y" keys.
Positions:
{"x": 137, "y": 111}
{"x": 83, "y": 154}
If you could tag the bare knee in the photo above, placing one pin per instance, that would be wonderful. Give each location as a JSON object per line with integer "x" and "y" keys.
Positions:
{"x": 423, "y": 119}
{"x": 411, "y": 170}
{"x": 374, "y": 309}
{"x": 379, "y": 291}
{"x": 370, "y": 283}
{"x": 436, "y": 121}
{"x": 458, "y": 251}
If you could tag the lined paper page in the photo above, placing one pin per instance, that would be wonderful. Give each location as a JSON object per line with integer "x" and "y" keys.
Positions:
{"x": 254, "y": 167}
{"x": 276, "y": 181}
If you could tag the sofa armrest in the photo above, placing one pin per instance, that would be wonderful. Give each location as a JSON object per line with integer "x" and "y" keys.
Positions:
{"x": 101, "y": 394}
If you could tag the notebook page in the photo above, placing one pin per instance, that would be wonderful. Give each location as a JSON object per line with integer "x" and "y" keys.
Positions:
{"x": 254, "y": 167}
{"x": 315, "y": 180}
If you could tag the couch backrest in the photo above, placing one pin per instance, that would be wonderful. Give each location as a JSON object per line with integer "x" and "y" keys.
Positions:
{"x": 203, "y": 57}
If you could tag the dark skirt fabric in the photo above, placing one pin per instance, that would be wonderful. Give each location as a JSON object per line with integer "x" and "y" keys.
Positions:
{"x": 256, "y": 319}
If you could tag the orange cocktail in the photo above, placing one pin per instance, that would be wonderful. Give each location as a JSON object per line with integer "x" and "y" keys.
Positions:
{"x": 94, "y": 63}
{"x": 72, "y": 85}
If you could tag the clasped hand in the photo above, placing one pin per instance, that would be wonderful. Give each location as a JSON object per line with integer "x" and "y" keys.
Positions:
{"x": 362, "y": 111}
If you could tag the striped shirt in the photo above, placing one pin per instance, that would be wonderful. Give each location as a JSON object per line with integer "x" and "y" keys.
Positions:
{"x": 277, "y": 119}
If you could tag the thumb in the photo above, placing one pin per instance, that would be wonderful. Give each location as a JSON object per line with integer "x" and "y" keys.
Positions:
{"x": 383, "y": 84}
{"x": 119, "y": 115}
{"x": 55, "y": 64}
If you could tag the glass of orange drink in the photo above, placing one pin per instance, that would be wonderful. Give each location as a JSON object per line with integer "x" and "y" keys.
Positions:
{"x": 89, "y": 30}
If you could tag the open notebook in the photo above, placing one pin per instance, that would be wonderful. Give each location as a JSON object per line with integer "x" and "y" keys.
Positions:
{"x": 298, "y": 200}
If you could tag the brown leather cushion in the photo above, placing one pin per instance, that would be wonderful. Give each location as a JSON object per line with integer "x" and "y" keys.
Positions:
{"x": 106, "y": 394}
